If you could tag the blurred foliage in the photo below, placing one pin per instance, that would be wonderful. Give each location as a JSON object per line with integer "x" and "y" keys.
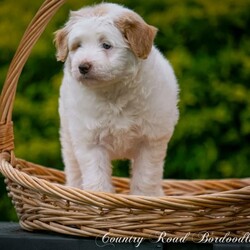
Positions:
{"x": 208, "y": 44}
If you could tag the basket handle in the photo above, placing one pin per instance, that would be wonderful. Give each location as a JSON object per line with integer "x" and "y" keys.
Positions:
{"x": 30, "y": 37}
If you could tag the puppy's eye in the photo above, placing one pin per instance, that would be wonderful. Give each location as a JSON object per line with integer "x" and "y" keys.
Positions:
{"x": 106, "y": 46}
{"x": 75, "y": 46}
{"x": 78, "y": 45}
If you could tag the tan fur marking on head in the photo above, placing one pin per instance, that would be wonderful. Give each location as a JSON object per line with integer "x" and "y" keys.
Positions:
{"x": 61, "y": 44}
{"x": 61, "y": 34}
{"x": 98, "y": 10}
{"x": 138, "y": 33}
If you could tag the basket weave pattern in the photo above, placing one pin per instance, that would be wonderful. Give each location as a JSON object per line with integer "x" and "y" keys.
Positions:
{"x": 43, "y": 202}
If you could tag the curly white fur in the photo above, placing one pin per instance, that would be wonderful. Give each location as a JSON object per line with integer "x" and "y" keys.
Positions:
{"x": 118, "y": 99}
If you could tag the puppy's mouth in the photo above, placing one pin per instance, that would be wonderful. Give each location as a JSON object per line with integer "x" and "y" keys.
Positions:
{"x": 88, "y": 79}
{"x": 87, "y": 75}
{"x": 94, "y": 80}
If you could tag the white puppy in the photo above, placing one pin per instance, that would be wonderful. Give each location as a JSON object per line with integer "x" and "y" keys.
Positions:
{"x": 118, "y": 99}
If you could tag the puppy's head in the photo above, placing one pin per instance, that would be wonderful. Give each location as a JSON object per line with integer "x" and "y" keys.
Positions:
{"x": 104, "y": 44}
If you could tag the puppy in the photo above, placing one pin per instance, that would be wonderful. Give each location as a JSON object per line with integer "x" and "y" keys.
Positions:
{"x": 118, "y": 99}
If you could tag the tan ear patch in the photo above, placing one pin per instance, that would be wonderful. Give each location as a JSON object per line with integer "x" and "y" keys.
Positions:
{"x": 61, "y": 44}
{"x": 138, "y": 33}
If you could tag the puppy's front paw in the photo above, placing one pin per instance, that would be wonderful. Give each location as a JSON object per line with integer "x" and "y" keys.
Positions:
{"x": 99, "y": 187}
{"x": 150, "y": 192}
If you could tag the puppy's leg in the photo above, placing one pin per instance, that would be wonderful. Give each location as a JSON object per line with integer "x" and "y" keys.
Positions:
{"x": 96, "y": 169}
{"x": 147, "y": 169}
{"x": 72, "y": 170}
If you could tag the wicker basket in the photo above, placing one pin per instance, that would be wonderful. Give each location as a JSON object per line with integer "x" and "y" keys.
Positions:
{"x": 43, "y": 202}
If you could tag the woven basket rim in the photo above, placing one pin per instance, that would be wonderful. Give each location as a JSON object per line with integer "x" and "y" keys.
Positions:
{"x": 217, "y": 198}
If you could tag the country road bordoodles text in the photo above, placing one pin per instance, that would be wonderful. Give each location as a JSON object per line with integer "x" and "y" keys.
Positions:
{"x": 202, "y": 237}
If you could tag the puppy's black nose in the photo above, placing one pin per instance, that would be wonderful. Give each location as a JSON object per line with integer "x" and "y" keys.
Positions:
{"x": 84, "y": 68}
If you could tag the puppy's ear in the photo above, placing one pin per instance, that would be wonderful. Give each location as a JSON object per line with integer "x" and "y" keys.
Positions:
{"x": 139, "y": 34}
{"x": 61, "y": 44}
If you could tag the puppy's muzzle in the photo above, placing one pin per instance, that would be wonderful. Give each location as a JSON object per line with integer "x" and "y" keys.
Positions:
{"x": 84, "y": 68}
